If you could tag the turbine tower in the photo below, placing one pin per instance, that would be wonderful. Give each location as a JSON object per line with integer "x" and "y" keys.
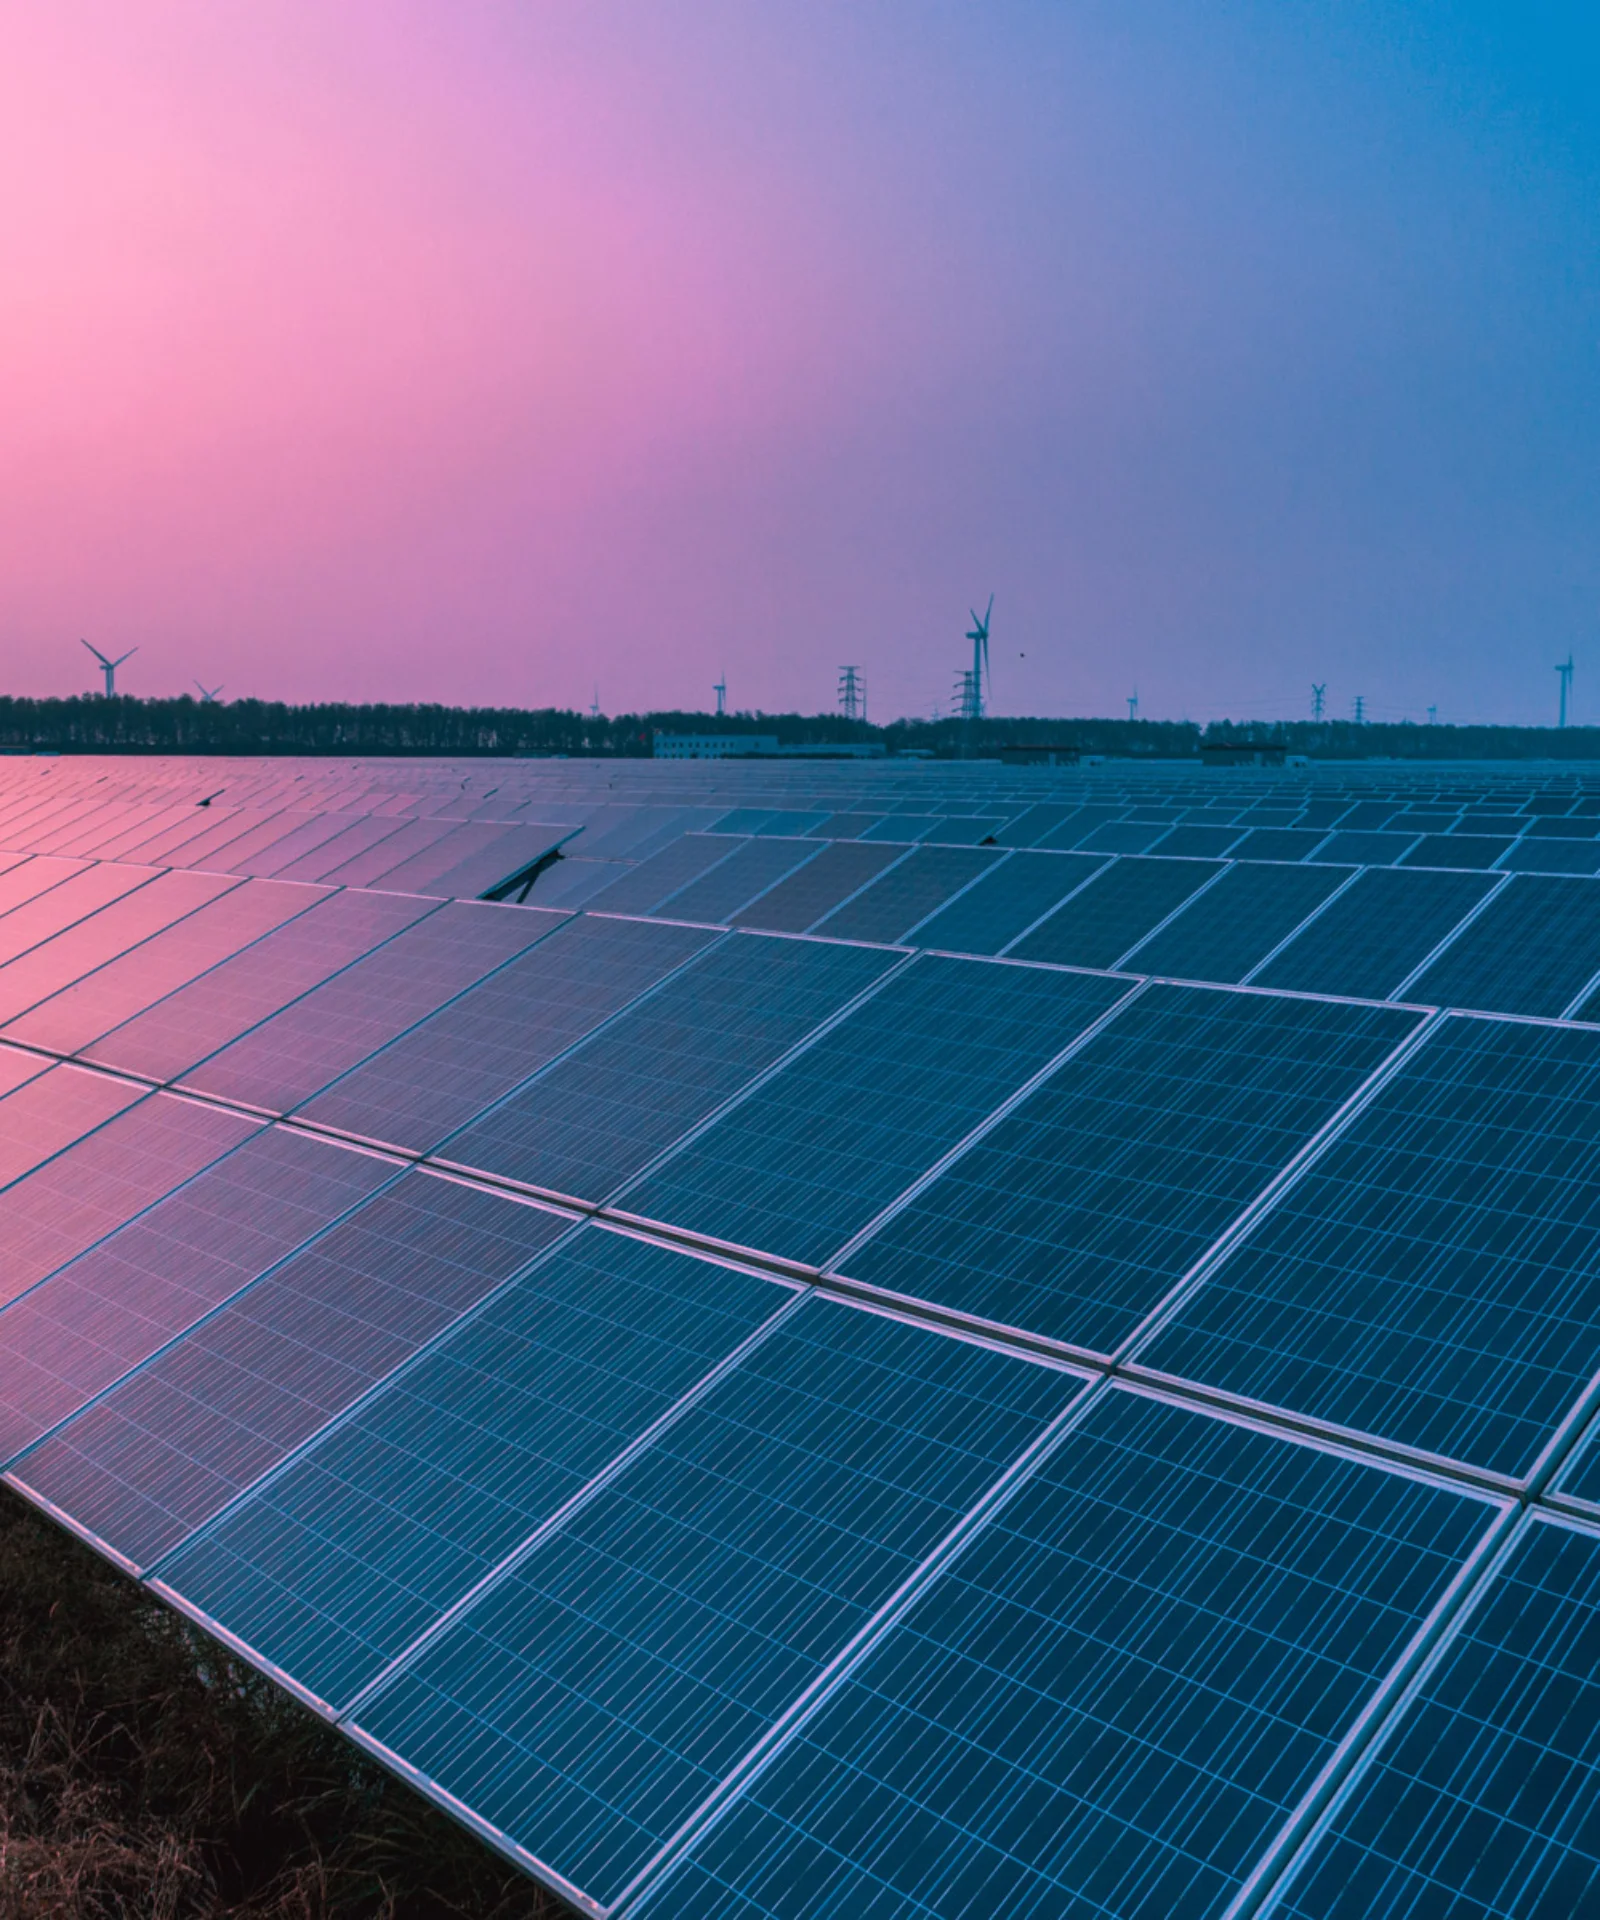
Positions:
{"x": 972, "y": 684}
{"x": 721, "y": 691}
{"x": 1565, "y": 670}
{"x": 109, "y": 667}
{"x": 208, "y": 695}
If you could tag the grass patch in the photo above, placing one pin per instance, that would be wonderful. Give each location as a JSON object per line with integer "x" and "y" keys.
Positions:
{"x": 146, "y": 1774}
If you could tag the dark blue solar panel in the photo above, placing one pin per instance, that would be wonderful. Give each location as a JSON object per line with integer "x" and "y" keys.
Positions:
{"x": 1006, "y": 902}
{"x": 1533, "y": 949}
{"x": 1095, "y": 927}
{"x": 1365, "y": 849}
{"x": 1485, "y": 1803}
{"x": 162, "y": 1452}
{"x": 1435, "y": 1278}
{"x": 588, "y": 1703}
{"x": 1376, "y": 932}
{"x": 333, "y": 1567}
{"x": 1279, "y": 843}
{"x": 1078, "y": 824}
{"x": 1111, "y": 1701}
{"x": 1192, "y": 841}
{"x": 654, "y": 880}
{"x": 817, "y": 1150}
{"x": 448, "y": 1069}
{"x": 1032, "y": 824}
{"x": 1078, "y": 1212}
{"x": 1234, "y": 925}
{"x": 619, "y": 1099}
{"x": 1122, "y": 836}
{"x": 734, "y": 882}
{"x": 1455, "y": 850}
{"x": 911, "y": 890}
{"x": 286, "y": 1059}
{"x": 1552, "y": 856}
{"x": 87, "y": 1325}
{"x": 819, "y": 887}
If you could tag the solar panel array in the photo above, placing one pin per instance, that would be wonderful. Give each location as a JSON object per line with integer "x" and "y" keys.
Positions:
{"x": 942, "y": 1340}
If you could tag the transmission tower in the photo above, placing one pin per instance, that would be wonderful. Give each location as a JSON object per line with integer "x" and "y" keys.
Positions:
{"x": 1318, "y": 697}
{"x": 1361, "y": 709}
{"x": 852, "y": 693}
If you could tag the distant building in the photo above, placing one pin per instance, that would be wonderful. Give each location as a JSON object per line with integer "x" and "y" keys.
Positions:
{"x": 746, "y": 746}
{"x": 1040, "y": 755}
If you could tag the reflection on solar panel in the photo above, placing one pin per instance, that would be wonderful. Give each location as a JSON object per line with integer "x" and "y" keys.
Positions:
{"x": 1486, "y": 1800}
{"x": 1080, "y": 1209}
{"x": 1111, "y": 1700}
{"x": 1161, "y": 1546}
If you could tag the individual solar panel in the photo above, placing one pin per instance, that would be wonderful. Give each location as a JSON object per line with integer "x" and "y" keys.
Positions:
{"x": 25, "y": 881}
{"x": 1122, "y": 836}
{"x": 1575, "y": 827}
{"x": 843, "y": 826}
{"x": 76, "y": 898}
{"x": 820, "y": 1148}
{"x": 1078, "y": 825}
{"x": 1376, "y": 933}
{"x": 1194, "y": 842}
{"x": 1486, "y": 1800}
{"x": 221, "y": 1004}
{"x": 333, "y": 1567}
{"x": 1474, "y": 850}
{"x": 294, "y": 1054}
{"x": 1435, "y": 1277}
{"x": 1095, "y": 927}
{"x": 149, "y": 1277}
{"x": 51, "y": 1110}
{"x": 1033, "y": 824}
{"x": 448, "y": 1069}
{"x": 1080, "y": 1210}
{"x": 174, "y": 1442}
{"x": 818, "y": 887}
{"x": 731, "y": 884}
{"x": 17, "y": 1068}
{"x": 323, "y": 844}
{"x": 907, "y": 894}
{"x": 1543, "y": 856}
{"x": 1532, "y": 950}
{"x": 1370, "y": 815}
{"x": 645, "y": 886}
{"x": 967, "y": 829}
{"x": 903, "y": 828}
{"x": 1279, "y": 843}
{"x": 1006, "y": 902}
{"x": 1234, "y": 925}
{"x": 1351, "y": 849}
{"x": 1113, "y": 1698}
{"x": 410, "y": 838}
{"x": 126, "y": 985}
{"x": 570, "y": 882}
{"x": 588, "y": 1702}
{"x": 622, "y": 1096}
{"x": 480, "y": 870}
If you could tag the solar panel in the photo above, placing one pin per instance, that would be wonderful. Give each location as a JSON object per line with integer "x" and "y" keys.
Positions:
{"x": 734, "y": 882}
{"x": 1233, "y": 926}
{"x": 1376, "y": 933}
{"x": 659, "y": 1632}
{"x": 1006, "y": 902}
{"x": 1435, "y": 1278}
{"x": 1552, "y": 856}
{"x": 50, "y": 1110}
{"x": 198, "y": 1019}
{"x": 1533, "y": 949}
{"x": 816, "y": 1151}
{"x": 1486, "y": 1800}
{"x": 646, "y": 885}
{"x": 333, "y": 1567}
{"x": 1077, "y": 1213}
{"x": 203, "y": 1215}
{"x": 449, "y": 1068}
{"x": 26, "y": 881}
{"x": 907, "y": 894}
{"x": 172, "y": 1444}
{"x": 1095, "y": 927}
{"x": 621, "y": 1097}
{"x": 1122, "y": 836}
{"x": 1196, "y": 842}
{"x": 818, "y": 887}
{"x": 1111, "y": 1700}
{"x": 298, "y": 1051}
{"x": 74, "y": 898}
{"x": 1352, "y": 849}
{"x": 1456, "y": 850}
{"x": 17, "y": 1068}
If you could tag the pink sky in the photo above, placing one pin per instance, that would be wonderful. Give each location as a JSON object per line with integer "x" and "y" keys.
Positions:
{"x": 486, "y": 352}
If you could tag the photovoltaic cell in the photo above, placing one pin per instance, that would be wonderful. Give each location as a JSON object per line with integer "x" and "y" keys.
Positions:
{"x": 718, "y": 895}
{"x": 1234, "y": 925}
{"x": 334, "y": 1566}
{"x": 1486, "y": 1801}
{"x": 588, "y": 1702}
{"x": 1096, "y": 927}
{"x": 51, "y": 1110}
{"x": 1376, "y": 932}
{"x": 446, "y": 1071}
{"x": 1114, "y": 1697}
{"x": 1006, "y": 902}
{"x": 172, "y": 1444}
{"x": 818, "y": 887}
{"x": 127, "y": 985}
{"x": 142, "y": 1285}
{"x": 820, "y": 1148}
{"x": 234, "y": 996}
{"x": 297, "y": 1052}
{"x": 1078, "y": 1212}
{"x": 1435, "y": 1278}
{"x": 600, "y": 1115}
{"x": 907, "y": 893}
{"x": 1533, "y": 950}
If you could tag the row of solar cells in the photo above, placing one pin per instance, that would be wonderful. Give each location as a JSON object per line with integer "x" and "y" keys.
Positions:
{"x": 643, "y": 1557}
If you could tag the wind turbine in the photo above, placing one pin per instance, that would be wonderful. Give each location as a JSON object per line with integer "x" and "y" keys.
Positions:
{"x": 208, "y": 695}
{"x": 109, "y": 667}
{"x": 979, "y": 636}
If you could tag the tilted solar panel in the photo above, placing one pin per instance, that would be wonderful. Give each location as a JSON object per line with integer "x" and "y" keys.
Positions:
{"x": 1232, "y": 927}
{"x": 1534, "y": 949}
{"x": 818, "y": 887}
{"x": 1006, "y": 902}
{"x": 52, "y": 1109}
{"x": 1377, "y": 933}
{"x": 907, "y": 894}
{"x": 733, "y": 883}
{"x": 1129, "y": 899}
{"x": 645, "y": 886}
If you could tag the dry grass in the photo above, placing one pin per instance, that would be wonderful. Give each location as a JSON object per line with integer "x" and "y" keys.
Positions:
{"x": 147, "y": 1775}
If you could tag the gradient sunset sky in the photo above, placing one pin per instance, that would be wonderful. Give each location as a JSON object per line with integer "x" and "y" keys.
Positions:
{"x": 489, "y": 352}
